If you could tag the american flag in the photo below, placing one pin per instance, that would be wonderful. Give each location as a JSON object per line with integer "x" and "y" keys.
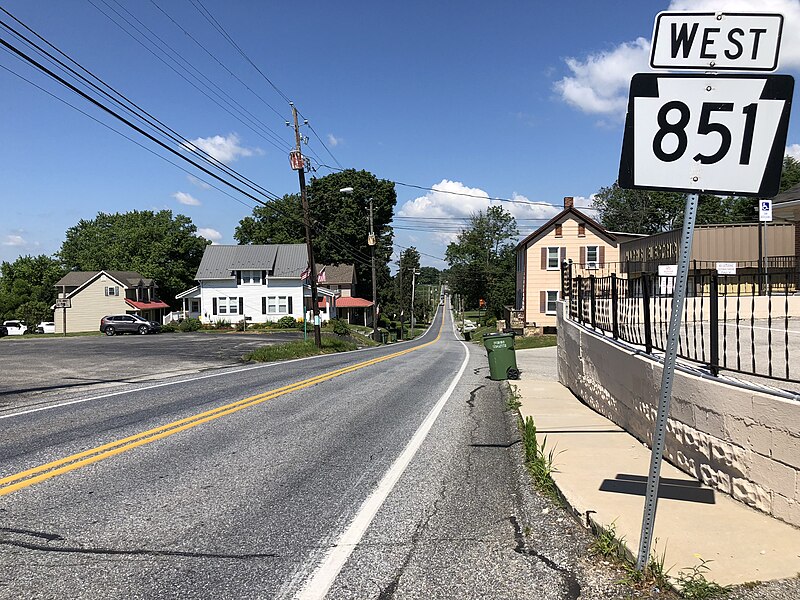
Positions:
{"x": 305, "y": 274}
{"x": 321, "y": 276}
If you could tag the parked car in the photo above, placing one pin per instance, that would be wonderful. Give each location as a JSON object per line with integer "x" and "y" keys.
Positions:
{"x": 3, "y": 330}
{"x": 46, "y": 327}
{"x": 15, "y": 327}
{"x": 113, "y": 324}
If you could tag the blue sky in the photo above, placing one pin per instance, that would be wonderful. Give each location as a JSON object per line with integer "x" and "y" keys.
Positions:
{"x": 505, "y": 99}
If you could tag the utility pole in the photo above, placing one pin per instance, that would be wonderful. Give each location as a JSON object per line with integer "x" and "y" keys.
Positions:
{"x": 371, "y": 241}
{"x": 414, "y": 274}
{"x": 400, "y": 275}
{"x": 298, "y": 163}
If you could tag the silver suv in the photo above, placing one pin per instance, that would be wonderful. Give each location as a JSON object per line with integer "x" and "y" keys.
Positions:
{"x": 113, "y": 324}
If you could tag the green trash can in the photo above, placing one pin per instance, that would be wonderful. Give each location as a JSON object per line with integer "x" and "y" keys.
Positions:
{"x": 502, "y": 357}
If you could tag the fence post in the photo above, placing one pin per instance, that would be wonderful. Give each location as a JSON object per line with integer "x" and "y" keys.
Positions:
{"x": 648, "y": 334}
{"x": 713, "y": 318}
{"x": 592, "y": 301}
{"x": 614, "y": 307}
{"x": 580, "y": 299}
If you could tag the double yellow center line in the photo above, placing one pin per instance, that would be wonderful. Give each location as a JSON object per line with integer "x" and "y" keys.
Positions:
{"x": 29, "y": 477}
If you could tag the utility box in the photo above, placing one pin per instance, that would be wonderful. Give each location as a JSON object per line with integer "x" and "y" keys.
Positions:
{"x": 502, "y": 357}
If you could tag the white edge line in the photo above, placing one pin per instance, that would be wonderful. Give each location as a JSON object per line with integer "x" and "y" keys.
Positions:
{"x": 190, "y": 379}
{"x": 321, "y": 581}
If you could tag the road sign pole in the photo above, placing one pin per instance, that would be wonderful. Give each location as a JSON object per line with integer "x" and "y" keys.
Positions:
{"x": 678, "y": 297}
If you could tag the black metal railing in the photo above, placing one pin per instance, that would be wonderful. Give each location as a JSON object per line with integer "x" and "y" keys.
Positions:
{"x": 745, "y": 322}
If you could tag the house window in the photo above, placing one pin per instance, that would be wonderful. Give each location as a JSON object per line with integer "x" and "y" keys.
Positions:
{"x": 112, "y": 290}
{"x": 592, "y": 257}
{"x": 228, "y": 306}
{"x": 559, "y": 231}
{"x": 278, "y": 305}
{"x": 553, "y": 258}
{"x": 251, "y": 277}
{"x": 552, "y": 302}
{"x": 194, "y": 306}
{"x": 581, "y": 230}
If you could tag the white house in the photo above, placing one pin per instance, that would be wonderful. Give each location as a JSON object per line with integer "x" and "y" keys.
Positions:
{"x": 256, "y": 283}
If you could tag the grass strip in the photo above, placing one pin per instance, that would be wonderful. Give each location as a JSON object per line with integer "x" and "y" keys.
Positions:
{"x": 299, "y": 349}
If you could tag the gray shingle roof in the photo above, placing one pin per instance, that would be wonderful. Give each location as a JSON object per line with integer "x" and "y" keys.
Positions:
{"x": 279, "y": 260}
{"x": 128, "y": 278}
{"x": 339, "y": 274}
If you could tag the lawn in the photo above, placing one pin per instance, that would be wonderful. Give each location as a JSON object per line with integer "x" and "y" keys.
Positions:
{"x": 300, "y": 349}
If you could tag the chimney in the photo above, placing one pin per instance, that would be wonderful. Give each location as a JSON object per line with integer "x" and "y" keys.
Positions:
{"x": 568, "y": 201}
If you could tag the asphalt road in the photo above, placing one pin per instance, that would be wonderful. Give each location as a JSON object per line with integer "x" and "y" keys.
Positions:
{"x": 33, "y": 367}
{"x": 253, "y": 499}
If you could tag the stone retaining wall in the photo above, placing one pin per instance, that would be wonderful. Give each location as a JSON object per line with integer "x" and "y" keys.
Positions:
{"x": 743, "y": 443}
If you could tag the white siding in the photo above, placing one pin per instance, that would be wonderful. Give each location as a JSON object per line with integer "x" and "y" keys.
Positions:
{"x": 253, "y": 296}
{"x": 90, "y": 305}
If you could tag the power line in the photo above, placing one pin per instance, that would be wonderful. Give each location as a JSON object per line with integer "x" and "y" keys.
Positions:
{"x": 489, "y": 198}
{"x": 198, "y": 4}
{"x": 258, "y": 127}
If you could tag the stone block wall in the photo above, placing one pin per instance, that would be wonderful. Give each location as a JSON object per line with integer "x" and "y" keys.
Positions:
{"x": 743, "y": 443}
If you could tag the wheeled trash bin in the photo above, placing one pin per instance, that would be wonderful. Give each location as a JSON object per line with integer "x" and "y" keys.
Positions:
{"x": 502, "y": 357}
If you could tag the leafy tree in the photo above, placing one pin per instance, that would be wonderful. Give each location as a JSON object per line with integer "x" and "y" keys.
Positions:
{"x": 156, "y": 244}
{"x": 340, "y": 224}
{"x": 408, "y": 263}
{"x": 482, "y": 260}
{"x": 790, "y": 176}
{"x": 429, "y": 276}
{"x": 643, "y": 211}
{"x": 27, "y": 288}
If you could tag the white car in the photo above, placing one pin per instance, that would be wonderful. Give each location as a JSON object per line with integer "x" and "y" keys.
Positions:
{"x": 46, "y": 327}
{"x": 15, "y": 327}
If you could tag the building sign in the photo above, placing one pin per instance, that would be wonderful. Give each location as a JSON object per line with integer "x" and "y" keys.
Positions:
{"x": 726, "y": 268}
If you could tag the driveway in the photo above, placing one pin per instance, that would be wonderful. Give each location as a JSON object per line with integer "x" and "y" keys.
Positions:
{"x": 51, "y": 365}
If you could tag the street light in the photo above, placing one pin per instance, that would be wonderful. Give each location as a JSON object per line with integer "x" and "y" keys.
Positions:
{"x": 371, "y": 241}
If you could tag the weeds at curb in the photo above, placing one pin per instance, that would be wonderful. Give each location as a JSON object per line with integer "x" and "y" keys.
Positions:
{"x": 539, "y": 460}
{"x": 694, "y": 585}
{"x": 513, "y": 399}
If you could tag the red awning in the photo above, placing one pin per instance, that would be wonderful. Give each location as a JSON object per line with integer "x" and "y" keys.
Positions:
{"x": 352, "y": 302}
{"x": 146, "y": 305}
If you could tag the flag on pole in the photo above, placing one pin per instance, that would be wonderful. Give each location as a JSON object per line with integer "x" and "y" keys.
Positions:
{"x": 305, "y": 274}
{"x": 321, "y": 276}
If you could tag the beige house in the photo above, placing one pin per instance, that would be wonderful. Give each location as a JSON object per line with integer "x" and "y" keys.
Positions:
{"x": 570, "y": 235}
{"x": 95, "y": 294}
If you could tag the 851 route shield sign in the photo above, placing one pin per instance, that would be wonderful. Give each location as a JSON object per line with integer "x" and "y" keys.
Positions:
{"x": 721, "y": 134}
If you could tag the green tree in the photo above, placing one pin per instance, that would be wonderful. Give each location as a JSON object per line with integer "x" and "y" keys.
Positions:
{"x": 27, "y": 288}
{"x": 340, "y": 224}
{"x": 156, "y": 244}
{"x": 790, "y": 175}
{"x": 482, "y": 260}
{"x": 643, "y": 211}
{"x": 407, "y": 265}
{"x": 429, "y": 276}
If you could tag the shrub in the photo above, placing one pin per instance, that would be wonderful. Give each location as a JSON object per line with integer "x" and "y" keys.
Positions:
{"x": 340, "y": 327}
{"x": 287, "y": 322}
{"x": 169, "y": 328}
{"x": 222, "y": 324}
{"x": 384, "y": 322}
{"x": 189, "y": 325}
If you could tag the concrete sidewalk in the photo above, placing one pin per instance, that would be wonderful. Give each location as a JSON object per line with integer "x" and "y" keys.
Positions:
{"x": 602, "y": 470}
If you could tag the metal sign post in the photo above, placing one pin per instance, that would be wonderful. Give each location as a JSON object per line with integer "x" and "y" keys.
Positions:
{"x": 678, "y": 297}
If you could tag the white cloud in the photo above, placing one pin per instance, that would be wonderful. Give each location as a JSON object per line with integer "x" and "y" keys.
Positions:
{"x": 598, "y": 84}
{"x": 448, "y": 200}
{"x": 14, "y": 240}
{"x": 186, "y": 199}
{"x": 195, "y": 181}
{"x": 225, "y": 149}
{"x": 333, "y": 140}
{"x": 793, "y": 151}
{"x": 210, "y": 234}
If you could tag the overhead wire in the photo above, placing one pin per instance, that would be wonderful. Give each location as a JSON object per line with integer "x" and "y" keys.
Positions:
{"x": 151, "y": 122}
{"x": 198, "y": 4}
{"x": 261, "y": 129}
